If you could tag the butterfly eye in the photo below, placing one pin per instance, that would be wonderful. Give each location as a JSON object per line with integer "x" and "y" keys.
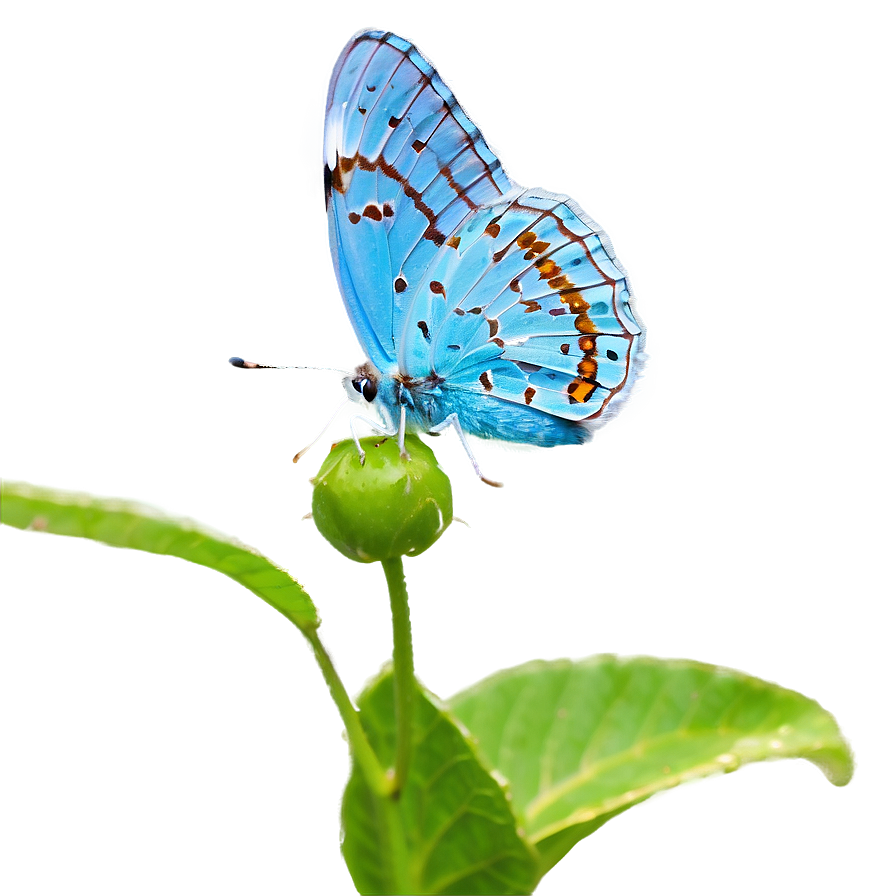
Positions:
{"x": 368, "y": 389}
{"x": 360, "y": 388}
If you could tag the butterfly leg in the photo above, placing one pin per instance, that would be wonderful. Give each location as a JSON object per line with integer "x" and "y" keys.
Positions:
{"x": 373, "y": 424}
{"x": 402, "y": 424}
{"x": 452, "y": 420}
{"x": 319, "y": 434}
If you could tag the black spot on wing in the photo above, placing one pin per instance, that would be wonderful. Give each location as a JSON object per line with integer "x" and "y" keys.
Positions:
{"x": 328, "y": 185}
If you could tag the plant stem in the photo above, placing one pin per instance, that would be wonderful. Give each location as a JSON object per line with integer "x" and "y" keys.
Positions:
{"x": 398, "y": 851}
{"x": 362, "y": 752}
{"x": 403, "y": 668}
{"x": 384, "y": 784}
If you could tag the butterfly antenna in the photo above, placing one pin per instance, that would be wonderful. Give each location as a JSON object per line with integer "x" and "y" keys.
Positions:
{"x": 251, "y": 365}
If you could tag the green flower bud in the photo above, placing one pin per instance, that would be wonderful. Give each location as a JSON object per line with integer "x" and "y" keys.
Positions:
{"x": 385, "y": 508}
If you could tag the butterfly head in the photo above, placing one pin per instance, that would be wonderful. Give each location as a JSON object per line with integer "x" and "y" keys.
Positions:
{"x": 362, "y": 385}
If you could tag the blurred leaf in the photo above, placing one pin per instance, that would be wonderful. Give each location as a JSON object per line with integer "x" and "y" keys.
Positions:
{"x": 125, "y": 524}
{"x": 451, "y": 830}
{"x": 580, "y": 742}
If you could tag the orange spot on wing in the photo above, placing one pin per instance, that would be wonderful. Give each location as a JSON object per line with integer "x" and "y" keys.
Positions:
{"x": 587, "y": 343}
{"x": 580, "y": 391}
{"x": 575, "y": 302}
{"x": 587, "y": 368}
{"x": 547, "y": 268}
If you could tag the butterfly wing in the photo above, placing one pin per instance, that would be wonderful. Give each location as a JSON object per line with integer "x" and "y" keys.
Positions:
{"x": 403, "y": 166}
{"x": 527, "y": 302}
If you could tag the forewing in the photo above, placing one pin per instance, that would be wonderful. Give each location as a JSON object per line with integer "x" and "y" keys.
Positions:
{"x": 403, "y": 166}
{"x": 528, "y": 303}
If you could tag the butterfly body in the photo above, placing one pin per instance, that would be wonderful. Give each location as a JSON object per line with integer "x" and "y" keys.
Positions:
{"x": 430, "y": 401}
{"x": 479, "y": 303}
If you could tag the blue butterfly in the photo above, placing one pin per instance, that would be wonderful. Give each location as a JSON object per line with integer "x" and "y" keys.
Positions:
{"x": 496, "y": 310}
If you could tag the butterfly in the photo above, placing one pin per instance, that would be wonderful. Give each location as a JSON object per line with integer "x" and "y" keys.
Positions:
{"x": 497, "y": 310}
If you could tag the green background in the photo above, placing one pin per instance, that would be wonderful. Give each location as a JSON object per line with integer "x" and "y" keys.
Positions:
{"x": 162, "y": 211}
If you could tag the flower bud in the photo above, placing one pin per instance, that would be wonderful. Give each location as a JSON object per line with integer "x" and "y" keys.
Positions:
{"x": 385, "y": 508}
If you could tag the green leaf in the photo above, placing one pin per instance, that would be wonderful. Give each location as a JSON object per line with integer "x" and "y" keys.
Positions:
{"x": 124, "y": 524}
{"x": 580, "y": 742}
{"x": 451, "y": 830}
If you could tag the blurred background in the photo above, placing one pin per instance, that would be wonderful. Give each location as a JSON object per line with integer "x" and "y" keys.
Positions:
{"x": 161, "y": 209}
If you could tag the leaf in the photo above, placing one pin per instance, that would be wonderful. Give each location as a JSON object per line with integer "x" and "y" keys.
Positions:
{"x": 580, "y": 742}
{"x": 451, "y": 830}
{"x": 125, "y": 524}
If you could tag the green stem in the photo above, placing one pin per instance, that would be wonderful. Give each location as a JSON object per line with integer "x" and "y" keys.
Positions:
{"x": 403, "y": 668}
{"x": 384, "y": 784}
{"x": 362, "y": 752}
{"x": 398, "y": 850}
